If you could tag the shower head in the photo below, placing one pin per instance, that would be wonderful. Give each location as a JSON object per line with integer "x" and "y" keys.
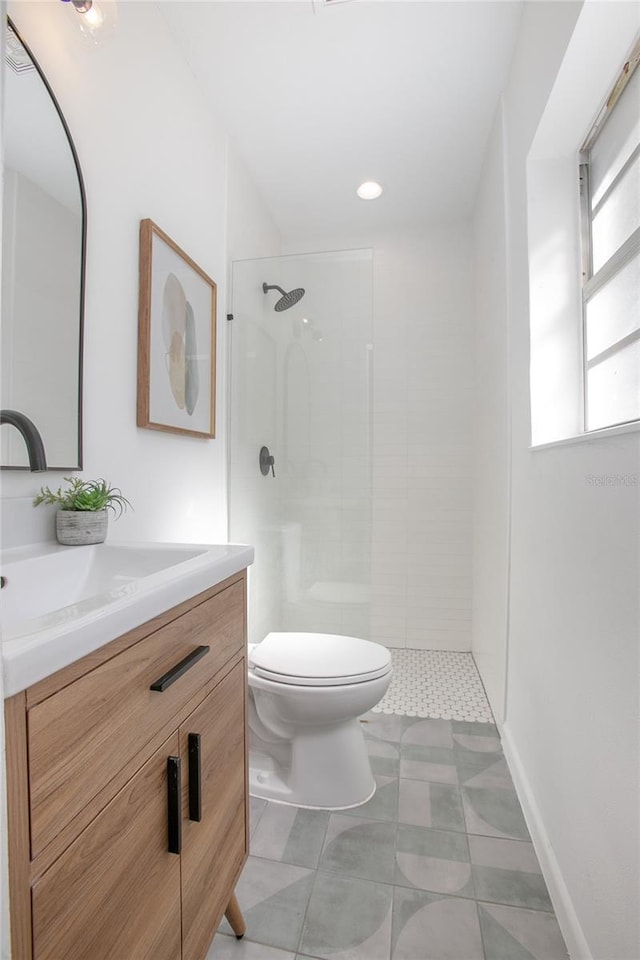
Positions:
{"x": 287, "y": 299}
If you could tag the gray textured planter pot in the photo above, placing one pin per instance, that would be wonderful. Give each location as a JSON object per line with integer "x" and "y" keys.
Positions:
{"x": 79, "y": 527}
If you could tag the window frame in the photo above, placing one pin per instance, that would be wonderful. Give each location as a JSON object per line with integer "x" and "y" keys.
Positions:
{"x": 625, "y": 252}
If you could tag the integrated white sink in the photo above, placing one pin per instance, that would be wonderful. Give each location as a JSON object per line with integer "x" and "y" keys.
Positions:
{"x": 60, "y": 603}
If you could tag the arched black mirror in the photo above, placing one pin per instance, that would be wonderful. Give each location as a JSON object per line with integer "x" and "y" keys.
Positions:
{"x": 43, "y": 262}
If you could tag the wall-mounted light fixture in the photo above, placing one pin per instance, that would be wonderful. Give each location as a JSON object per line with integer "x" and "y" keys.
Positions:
{"x": 97, "y": 18}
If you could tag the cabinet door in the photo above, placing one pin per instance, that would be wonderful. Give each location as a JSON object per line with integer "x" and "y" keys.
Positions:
{"x": 109, "y": 715}
{"x": 215, "y": 847}
{"x": 115, "y": 892}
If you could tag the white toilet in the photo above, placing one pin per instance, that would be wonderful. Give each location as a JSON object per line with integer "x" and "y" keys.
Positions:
{"x": 306, "y": 692}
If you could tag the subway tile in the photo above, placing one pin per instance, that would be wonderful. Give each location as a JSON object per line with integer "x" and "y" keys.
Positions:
{"x": 388, "y": 401}
{"x": 453, "y": 635}
{"x": 388, "y": 564}
{"x": 438, "y": 499}
{"x": 441, "y": 641}
{"x": 442, "y": 548}
{"x": 440, "y": 583}
{"x": 388, "y": 548}
{"x": 389, "y": 580}
{"x": 444, "y": 565}
{"x": 422, "y": 608}
{"x": 426, "y": 622}
{"x": 389, "y": 466}
{"x": 395, "y": 633}
{"x": 388, "y": 531}
{"x": 389, "y": 441}
{"x": 418, "y": 601}
{"x": 392, "y": 613}
{"x": 395, "y": 511}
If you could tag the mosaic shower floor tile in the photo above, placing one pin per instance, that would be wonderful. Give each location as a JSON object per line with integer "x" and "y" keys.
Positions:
{"x": 435, "y": 683}
{"x": 438, "y": 865}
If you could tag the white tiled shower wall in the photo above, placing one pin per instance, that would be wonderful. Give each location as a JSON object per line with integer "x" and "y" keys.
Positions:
{"x": 422, "y": 429}
{"x": 405, "y": 526}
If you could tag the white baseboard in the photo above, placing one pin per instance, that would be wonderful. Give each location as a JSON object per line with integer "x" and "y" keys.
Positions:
{"x": 562, "y": 903}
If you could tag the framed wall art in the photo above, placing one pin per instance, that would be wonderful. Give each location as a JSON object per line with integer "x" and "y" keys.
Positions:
{"x": 176, "y": 339}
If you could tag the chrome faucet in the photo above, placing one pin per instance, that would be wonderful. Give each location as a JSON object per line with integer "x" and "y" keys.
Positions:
{"x": 32, "y": 438}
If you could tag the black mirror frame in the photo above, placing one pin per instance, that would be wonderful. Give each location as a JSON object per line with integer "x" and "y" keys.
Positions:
{"x": 83, "y": 253}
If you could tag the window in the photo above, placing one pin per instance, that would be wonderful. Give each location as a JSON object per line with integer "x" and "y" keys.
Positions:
{"x": 610, "y": 209}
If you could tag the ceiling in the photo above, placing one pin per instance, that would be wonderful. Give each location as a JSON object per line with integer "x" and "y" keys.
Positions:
{"x": 318, "y": 96}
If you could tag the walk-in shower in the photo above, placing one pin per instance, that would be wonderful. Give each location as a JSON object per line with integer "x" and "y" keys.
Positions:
{"x": 302, "y": 388}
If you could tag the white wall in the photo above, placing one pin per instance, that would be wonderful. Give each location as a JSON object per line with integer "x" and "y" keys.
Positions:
{"x": 148, "y": 147}
{"x": 571, "y": 728}
{"x": 491, "y": 434}
{"x": 251, "y": 231}
{"x": 423, "y": 429}
{"x": 423, "y": 389}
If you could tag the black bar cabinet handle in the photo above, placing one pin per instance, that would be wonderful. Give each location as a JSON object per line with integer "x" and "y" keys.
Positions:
{"x": 195, "y": 788}
{"x": 174, "y": 818}
{"x": 176, "y": 672}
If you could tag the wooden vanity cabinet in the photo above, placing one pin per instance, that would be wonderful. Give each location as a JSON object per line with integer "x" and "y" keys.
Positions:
{"x": 214, "y": 848}
{"x": 115, "y": 892}
{"x": 91, "y": 872}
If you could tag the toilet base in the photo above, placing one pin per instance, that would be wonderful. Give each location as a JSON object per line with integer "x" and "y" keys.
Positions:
{"x": 324, "y": 768}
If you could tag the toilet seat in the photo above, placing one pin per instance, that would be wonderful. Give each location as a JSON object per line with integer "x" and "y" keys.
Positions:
{"x": 318, "y": 659}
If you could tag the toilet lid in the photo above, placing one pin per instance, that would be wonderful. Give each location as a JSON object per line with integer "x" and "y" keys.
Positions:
{"x": 318, "y": 659}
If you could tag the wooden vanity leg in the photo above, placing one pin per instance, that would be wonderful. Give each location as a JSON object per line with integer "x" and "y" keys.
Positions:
{"x": 233, "y": 914}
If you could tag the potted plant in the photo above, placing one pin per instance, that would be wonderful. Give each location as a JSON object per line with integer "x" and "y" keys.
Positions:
{"x": 83, "y": 508}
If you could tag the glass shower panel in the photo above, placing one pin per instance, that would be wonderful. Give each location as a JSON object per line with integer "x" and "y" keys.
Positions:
{"x": 301, "y": 385}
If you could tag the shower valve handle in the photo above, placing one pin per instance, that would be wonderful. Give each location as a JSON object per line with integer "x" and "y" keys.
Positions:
{"x": 266, "y": 462}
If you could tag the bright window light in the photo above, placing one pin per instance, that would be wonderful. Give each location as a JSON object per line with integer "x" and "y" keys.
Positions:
{"x": 610, "y": 209}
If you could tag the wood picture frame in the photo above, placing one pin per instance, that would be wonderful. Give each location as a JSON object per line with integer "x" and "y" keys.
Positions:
{"x": 176, "y": 339}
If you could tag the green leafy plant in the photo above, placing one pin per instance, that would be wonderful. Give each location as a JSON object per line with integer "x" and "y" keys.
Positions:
{"x": 85, "y": 495}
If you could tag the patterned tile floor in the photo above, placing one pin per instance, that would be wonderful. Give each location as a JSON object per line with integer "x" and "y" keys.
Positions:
{"x": 436, "y": 683}
{"x": 438, "y": 865}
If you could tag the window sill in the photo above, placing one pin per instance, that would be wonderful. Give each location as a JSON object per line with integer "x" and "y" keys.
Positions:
{"x": 602, "y": 434}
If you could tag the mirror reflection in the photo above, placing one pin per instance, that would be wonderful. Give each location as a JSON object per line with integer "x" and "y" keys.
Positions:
{"x": 43, "y": 231}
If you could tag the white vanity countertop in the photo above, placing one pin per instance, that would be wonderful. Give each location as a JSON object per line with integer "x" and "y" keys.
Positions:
{"x": 61, "y": 603}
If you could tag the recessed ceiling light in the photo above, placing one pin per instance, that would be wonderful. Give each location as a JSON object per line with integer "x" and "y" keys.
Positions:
{"x": 370, "y": 190}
